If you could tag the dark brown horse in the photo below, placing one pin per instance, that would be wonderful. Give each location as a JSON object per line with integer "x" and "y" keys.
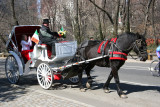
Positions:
{"x": 124, "y": 44}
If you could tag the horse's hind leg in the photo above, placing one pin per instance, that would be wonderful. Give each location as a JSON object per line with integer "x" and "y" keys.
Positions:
{"x": 80, "y": 82}
{"x": 106, "y": 85}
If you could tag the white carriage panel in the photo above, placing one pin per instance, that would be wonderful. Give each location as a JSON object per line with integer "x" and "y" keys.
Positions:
{"x": 66, "y": 49}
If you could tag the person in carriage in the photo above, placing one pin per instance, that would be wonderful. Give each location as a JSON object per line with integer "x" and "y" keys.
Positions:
{"x": 47, "y": 37}
{"x": 26, "y": 44}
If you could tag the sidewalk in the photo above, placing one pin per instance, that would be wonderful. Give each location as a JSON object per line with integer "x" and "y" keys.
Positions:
{"x": 19, "y": 96}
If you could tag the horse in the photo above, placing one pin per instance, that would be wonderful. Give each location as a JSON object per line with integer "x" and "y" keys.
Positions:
{"x": 115, "y": 53}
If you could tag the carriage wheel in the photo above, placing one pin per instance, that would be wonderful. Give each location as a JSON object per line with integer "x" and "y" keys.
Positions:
{"x": 44, "y": 76}
{"x": 154, "y": 68}
{"x": 74, "y": 79}
{"x": 12, "y": 69}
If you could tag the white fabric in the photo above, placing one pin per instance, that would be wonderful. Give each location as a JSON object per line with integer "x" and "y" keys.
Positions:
{"x": 26, "y": 45}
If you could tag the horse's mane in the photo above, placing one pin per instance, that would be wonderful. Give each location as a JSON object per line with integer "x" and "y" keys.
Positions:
{"x": 131, "y": 35}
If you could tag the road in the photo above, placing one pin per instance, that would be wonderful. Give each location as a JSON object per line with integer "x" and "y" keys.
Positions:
{"x": 142, "y": 89}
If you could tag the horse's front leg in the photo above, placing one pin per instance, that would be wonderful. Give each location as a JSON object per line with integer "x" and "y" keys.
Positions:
{"x": 116, "y": 78}
{"x": 80, "y": 82}
{"x": 89, "y": 81}
{"x": 106, "y": 85}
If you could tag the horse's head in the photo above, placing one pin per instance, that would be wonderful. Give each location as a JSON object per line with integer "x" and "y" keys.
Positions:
{"x": 131, "y": 41}
{"x": 140, "y": 47}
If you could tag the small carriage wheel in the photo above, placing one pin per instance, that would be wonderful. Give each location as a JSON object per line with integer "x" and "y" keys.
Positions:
{"x": 154, "y": 67}
{"x": 44, "y": 75}
{"x": 74, "y": 79}
{"x": 12, "y": 69}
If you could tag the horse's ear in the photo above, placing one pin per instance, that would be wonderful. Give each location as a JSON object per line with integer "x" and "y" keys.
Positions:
{"x": 138, "y": 35}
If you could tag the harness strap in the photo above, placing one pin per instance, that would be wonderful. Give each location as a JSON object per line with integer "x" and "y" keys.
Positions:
{"x": 102, "y": 47}
{"x": 118, "y": 56}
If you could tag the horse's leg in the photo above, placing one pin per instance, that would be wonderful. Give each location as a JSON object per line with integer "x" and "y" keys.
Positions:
{"x": 106, "y": 85}
{"x": 89, "y": 81}
{"x": 80, "y": 82}
{"x": 116, "y": 78}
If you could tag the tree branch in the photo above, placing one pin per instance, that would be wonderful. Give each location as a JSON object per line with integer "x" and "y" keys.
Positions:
{"x": 110, "y": 18}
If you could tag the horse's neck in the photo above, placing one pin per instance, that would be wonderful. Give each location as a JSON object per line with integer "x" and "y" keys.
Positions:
{"x": 125, "y": 44}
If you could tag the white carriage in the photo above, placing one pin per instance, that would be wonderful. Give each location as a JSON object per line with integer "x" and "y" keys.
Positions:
{"x": 48, "y": 69}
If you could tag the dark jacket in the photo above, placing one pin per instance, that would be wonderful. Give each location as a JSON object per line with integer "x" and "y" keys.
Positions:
{"x": 46, "y": 35}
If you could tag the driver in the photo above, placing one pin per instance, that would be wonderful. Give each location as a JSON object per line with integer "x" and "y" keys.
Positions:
{"x": 48, "y": 37}
{"x": 158, "y": 55}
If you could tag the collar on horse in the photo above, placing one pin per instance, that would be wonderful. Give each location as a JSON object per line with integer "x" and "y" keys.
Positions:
{"x": 115, "y": 53}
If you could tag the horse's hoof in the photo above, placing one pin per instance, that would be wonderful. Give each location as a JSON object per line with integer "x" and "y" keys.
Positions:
{"x": 82, "y": 90}
{"x": 123, "y": 96}
{"x": 88, "y": 85}
{"x": 106, "y": 91}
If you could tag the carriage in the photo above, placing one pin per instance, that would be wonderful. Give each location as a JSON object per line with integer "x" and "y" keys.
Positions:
{"x": 63, "y": 65}
{"x": 48, "y": 69}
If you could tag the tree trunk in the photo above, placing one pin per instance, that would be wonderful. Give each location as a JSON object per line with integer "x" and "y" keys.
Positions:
{"x": 127, "y": 27}
{"x": 14, "y": 14}
{"x": 152, "y": 21}
{"x": 78, "y": 25}
{"x": 115, "y": 33}
{"x": 100, "y": 26}
{"x": 124, "y": 15}
{"x": 104, "y": 20}
{"x": 146, "y": 16}
{"x": 107, "y": 13}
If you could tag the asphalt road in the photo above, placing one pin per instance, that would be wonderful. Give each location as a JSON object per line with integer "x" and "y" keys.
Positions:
{"x": 142, "y": 89}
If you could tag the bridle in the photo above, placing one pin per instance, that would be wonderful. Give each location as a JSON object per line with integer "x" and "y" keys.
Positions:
{"x": 138, "y": 45}
{"x": 135, "y": 45}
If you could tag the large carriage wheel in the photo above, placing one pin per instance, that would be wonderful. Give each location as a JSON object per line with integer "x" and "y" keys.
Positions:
{"x": 12, "y": 69}
{"x": 44, "y": 76}
{"x": 74, "y": 79}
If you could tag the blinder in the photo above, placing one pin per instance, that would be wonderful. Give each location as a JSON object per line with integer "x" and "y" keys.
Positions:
{"x": 138, "y": 43}
{"x": 140, "y": 46}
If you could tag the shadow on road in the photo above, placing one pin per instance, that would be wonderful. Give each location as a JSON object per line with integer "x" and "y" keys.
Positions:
{"x": 9, "y": 92}
{"x": 130, "y": 88}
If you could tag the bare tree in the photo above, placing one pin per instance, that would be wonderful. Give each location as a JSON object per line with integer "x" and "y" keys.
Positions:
{"x": 116, "y": 18}
{"x": 109, "y": 16}
{"x": 99, "y": 23}
{"x": 146, "y": 16}
{"x": 127, "y": 28}
{"x": 152, "y": 21}
{"x": 14, "y": 14}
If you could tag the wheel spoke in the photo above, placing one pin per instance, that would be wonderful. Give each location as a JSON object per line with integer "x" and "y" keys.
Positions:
{"x": 44, "y": 76}
{"x": 12, "y": 69}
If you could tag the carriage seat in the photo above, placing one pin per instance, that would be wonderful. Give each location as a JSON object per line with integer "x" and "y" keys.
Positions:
{"x": 39, "y": 50}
